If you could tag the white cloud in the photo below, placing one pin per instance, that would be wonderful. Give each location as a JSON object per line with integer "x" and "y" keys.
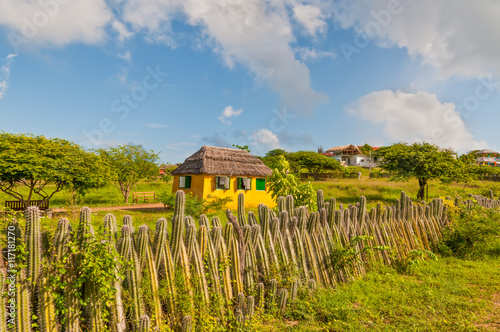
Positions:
{"x": 264, "y": 138}
{"x": 229, "y": 113}
{"x": 127, "y": 56}
{"x": 416, "y": 117}
{"x": 311, "y": 18}
{"x": 305, "y": 54}
{"x": 255, "y": 34}
{"x": 459, "y": 37}
{"x": 121, "y": 29}
{"x": 44, "y": 23}
{"x": 156, "y": 125}
{"x": 5, "y": 74}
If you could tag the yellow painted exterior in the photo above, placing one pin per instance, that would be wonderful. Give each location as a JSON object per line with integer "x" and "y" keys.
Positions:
{"x": 203, "y": 185}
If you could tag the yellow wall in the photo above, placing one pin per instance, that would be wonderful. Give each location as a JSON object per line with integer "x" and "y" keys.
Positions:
{"x": 204, "y": 185}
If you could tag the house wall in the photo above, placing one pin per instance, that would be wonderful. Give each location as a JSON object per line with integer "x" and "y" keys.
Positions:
{"x": 204, "y": 185}
{"x": 197, "y": 184}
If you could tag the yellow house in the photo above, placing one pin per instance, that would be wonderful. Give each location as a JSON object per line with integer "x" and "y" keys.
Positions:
{"x": 224, "y": 172}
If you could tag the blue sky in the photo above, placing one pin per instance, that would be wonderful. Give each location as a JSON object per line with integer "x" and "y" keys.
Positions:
{"x": 175, "y": 75}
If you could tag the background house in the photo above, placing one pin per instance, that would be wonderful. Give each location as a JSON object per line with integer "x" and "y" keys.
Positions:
{"x": 224, "y": 172}
{"x": 351, "y": 155}
{"x": 488, "y": 158}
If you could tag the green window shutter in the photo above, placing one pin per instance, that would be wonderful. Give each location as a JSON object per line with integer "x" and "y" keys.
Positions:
{"x": 188, "y": 182}
{"x": 261, "y": 184}
{"x": 239, "y": 181}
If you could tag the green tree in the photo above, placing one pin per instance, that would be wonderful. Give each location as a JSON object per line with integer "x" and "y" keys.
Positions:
{"x": 244, "y": 147}
{"x": 275, "y": 153}
{"x": 130, "y": 163}
{"x": 283, "y": 182}
{"x": 365, "y": 149}
{"x": 423, "y": 161}
{"x": 46, "y": 166}
{"x": 312, "y": 161}
{"x": 272, "y": 157}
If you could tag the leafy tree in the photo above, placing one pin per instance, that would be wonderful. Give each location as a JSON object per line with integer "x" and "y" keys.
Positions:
{"x": 282, "y": 183}
{"x": 313, "y": 161}
{"x": 365, "y": 149}
{"x": 46, "y": 166}
{"x": 423, "y": 161}
{"x": 130, "y": 163}
{"x": 244, "y": 147}
{"x": 272, "y": 157}
{"x": 275, "y": 153}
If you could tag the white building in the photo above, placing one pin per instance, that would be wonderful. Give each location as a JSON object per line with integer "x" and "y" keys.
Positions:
{"x": 351, "y": 155}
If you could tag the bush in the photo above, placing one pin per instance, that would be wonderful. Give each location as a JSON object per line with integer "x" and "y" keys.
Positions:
{"x": 196, "y": 206}
{"x": 472, "y": 234}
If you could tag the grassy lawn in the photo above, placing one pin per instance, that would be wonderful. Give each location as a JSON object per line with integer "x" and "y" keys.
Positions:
{"x": 445, "y": 295}
{"x": 348, "y": 191}
{"x": 107, "y": 196}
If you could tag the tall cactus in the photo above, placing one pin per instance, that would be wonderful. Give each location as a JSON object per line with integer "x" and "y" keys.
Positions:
{"x": 197, "y": 261}
{"x": 110, "y": 227}
{"x": 132, "y": 276}
{"x": 178, "y": 225}
{"x": 250, "y": 306}
{"x": 320, "y": 199}
{"x": 144, "y": 324}
{"x": 164, "y": 263}
{"x": 127, "y": 221}
{"x": 260, "y": 295}
{"x": 234, "y": 252}
{"x": 3, "y": 312}
{"x": 23, "y": 318}
{"x": 283, "y": 298}
{"x": 242, "y": 220}
{"x": 281, "y": 204}
{"x": 33, "y": 245}
{"x": 148, "y": 263}
{"x": 224, "y": 263}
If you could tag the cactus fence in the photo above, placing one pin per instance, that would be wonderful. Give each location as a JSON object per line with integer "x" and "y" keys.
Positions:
{"x": 199, "y": 276}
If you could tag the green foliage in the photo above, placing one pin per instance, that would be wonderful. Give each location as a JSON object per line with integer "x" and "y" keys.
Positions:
{"x": 130, "y": 163}
{"x": 412, "y": 261}
{"x": 282, "y": 183}
{"x": 167, "y": 169}
{"x": 423, "y": 161}
{"x": 46, "y": 166}
{"x": 366, "y": 149}
{"x": 312, "y": 161}
{"x": 350, "y": 256}
{"x": 244, "y": 148}
{"x": 473, "y": 233}
{"x": 196, "y": 206}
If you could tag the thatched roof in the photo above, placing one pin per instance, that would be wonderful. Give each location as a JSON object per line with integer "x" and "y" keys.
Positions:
{"x": 345, "y": 149}
{"x": 222, "y": 161}
{"x": 486, "y": 151}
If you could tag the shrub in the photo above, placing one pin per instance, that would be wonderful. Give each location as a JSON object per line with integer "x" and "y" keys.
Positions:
{"x": 472, "y": 233}
{"x": 196, "y": 206}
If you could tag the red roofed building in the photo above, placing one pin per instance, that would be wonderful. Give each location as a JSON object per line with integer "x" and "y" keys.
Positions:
{"x": 351, "y": 155}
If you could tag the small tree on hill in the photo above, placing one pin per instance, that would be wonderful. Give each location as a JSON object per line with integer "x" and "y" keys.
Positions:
{"x": 130, "y": 163}
{"x": 423, "y": 161}
{"x": 312, "y": 161}
{"x": 46, "y": 166}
